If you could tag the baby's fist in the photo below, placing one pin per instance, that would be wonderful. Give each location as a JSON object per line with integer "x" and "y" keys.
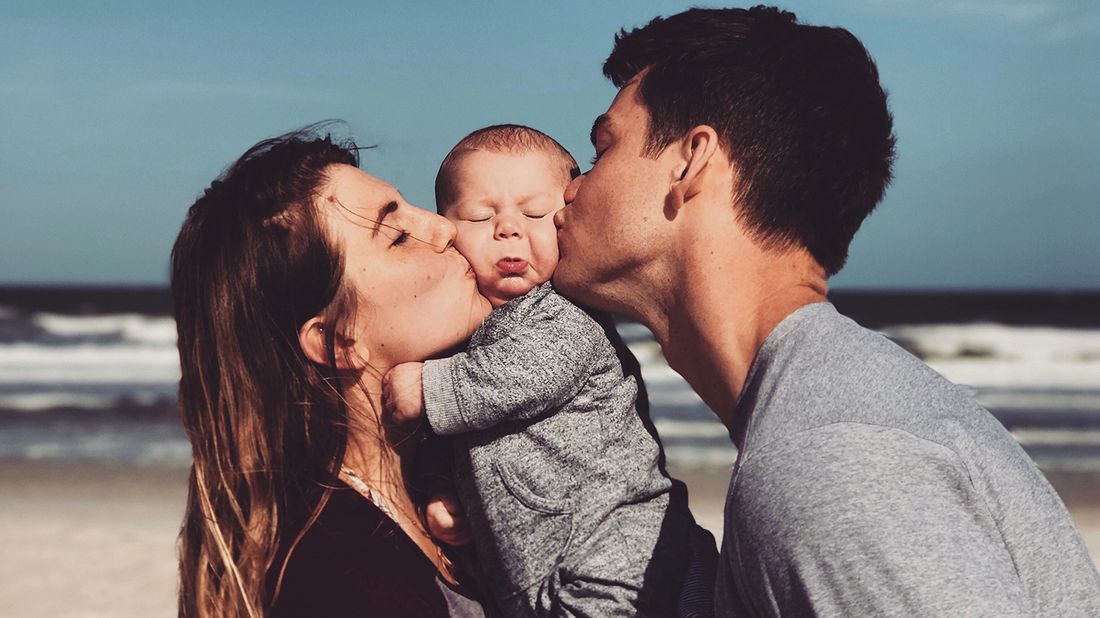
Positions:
{"x": 446, "y": 520}
{"x": 403, "y": 392}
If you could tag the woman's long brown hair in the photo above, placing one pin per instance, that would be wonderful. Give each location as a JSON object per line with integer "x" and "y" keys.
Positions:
{"x": 268, "y": 429}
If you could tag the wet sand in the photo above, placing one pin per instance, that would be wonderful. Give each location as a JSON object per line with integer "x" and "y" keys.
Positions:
{"x": 91, "y": 539}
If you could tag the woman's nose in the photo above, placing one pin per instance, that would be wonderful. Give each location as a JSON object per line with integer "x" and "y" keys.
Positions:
{"x": 447, "y": 235}
{"x": 439, "y": 231}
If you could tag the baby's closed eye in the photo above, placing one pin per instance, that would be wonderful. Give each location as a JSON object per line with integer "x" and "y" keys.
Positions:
{"x": 476, "y": 216}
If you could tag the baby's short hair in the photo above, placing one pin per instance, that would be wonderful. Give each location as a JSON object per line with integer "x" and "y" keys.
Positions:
{"x": 501, "y": 138}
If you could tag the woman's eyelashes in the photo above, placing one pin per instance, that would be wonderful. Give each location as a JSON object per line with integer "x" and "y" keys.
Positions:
{"x": 400, "y": 239}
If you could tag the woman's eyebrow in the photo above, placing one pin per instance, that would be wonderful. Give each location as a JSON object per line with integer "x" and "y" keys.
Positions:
{"x": 382, "y": 214}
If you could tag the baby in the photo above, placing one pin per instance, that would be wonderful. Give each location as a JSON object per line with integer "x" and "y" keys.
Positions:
{"x": 568, "y": 508}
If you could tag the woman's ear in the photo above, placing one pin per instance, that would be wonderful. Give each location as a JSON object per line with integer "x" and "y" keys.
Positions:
{"x": 313, "y": 338}
{"x": 699, "y": 148}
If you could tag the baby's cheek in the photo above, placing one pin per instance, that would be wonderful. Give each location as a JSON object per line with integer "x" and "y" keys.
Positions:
{"x": 492, "y": 284}
{"x": 486, "y": 281}
{"x": 544, "y": 250}
{"x": 467, "y": 242}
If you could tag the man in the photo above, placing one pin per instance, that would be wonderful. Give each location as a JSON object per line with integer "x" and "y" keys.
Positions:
{"x": 733, "y": 168}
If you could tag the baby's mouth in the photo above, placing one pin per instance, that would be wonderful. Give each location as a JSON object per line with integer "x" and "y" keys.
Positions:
{"x": 512, "y": 267}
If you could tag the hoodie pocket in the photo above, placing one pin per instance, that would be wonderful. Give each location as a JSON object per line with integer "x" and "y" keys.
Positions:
{"x": 530, "y": 533}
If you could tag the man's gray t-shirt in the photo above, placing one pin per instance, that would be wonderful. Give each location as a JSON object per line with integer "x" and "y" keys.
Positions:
{"x": 866, "y": 483}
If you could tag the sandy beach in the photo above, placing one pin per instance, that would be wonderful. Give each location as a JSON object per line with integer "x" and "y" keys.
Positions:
{"x": 89, "y": 539}
{"x": 94, "y": 539}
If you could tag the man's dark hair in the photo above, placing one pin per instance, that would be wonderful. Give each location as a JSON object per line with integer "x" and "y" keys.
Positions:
{"x": 799, "y": 109}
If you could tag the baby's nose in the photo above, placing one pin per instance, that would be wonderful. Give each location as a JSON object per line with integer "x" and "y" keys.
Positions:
{"x": 507, "y": 227}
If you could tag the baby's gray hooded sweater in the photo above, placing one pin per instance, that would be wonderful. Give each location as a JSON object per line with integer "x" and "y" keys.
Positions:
{"x": 567, "y": 505}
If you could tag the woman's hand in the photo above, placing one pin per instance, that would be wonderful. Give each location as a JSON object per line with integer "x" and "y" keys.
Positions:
{"x": 446, "y": 520}
{"x": 403, "y": 392}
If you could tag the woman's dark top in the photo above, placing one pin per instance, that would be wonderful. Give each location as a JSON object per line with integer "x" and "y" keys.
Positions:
{"x": 356, "y": 561}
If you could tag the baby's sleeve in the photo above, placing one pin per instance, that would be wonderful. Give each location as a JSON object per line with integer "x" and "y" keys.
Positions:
{"x": 537, "y": 367}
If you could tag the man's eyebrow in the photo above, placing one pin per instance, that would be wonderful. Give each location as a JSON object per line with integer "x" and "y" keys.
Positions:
{"x": 382, "y": 214}
{"x": 601, "y": 122}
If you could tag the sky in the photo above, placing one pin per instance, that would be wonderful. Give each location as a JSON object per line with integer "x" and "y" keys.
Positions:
{"x": 116, "y": 115}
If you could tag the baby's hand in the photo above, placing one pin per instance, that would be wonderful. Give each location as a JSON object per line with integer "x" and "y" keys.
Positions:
{"x": 446, "y": 520}
{"x": 403, "y": 392}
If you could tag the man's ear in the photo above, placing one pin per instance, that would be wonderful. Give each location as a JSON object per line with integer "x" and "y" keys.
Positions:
{"x": 314, "y": 341}
{"x": 698, "y": 149}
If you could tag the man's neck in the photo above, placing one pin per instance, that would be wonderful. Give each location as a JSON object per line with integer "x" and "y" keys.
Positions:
{"x": 721, "y": 309}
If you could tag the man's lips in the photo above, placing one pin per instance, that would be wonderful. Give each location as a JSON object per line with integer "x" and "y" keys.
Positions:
{"x": 512, "y": 266}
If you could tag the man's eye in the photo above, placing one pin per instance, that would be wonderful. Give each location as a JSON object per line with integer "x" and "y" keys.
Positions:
{"x": 596, "y": 158}
{"x": 401, "y": 238}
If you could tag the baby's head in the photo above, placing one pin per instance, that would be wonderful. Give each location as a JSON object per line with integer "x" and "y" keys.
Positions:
{"x": 501, "y": 186}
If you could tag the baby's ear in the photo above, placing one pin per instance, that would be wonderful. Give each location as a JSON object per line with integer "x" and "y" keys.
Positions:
{"x": 313, "y": 339}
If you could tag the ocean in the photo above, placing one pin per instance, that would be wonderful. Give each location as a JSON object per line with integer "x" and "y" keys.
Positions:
{"x": 90, "y": 374}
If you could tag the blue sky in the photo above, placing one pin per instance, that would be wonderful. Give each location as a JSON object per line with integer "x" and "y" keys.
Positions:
{"x": 117, "y": 114}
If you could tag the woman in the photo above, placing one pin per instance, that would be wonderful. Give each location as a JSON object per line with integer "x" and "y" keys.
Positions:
{"x": 298, "y": 280}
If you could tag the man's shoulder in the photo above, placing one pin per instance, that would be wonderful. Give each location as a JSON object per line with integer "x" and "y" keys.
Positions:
{"x": 832, "y": 370}
{"x": 835, "y": 343}
{"x": 823, "y": 487}
{"x": 816, "y": 343}
{"x": 830, "y": 459}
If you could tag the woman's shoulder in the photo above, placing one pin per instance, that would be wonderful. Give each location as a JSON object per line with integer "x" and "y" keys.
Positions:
{"x": 354, "y": 559}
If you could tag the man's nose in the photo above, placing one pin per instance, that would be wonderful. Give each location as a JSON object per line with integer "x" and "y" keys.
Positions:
{"x": 559, "y": 218}
{"x": 571, "y": 190}
{"x": 570, "y": 195}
